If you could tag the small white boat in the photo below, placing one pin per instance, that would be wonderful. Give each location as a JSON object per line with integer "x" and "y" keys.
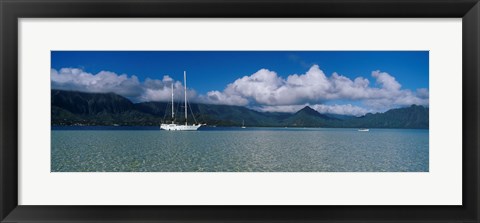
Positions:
{"x": 243, "y": 124}
{"x": 179, "y": 127}
{"x": 363, "y": 130}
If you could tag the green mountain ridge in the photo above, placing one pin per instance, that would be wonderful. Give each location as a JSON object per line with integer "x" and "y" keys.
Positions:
{"x": 70, "y": 108}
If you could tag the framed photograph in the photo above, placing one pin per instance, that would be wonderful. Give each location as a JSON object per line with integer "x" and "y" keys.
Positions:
{"x": 209, "y": 111}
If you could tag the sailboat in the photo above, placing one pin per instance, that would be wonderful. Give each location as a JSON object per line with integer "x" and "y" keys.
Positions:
{"x": 177, "y": 126}
{"x": 243, "y": 124}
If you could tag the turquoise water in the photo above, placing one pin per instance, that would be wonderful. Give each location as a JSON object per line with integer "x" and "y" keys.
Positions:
{"x": 120, "y": 149}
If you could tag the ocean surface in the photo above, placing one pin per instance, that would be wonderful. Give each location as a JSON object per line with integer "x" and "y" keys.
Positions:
{"x": 148, "y": 149}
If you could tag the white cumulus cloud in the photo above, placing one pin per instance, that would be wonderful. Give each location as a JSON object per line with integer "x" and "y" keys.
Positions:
{"x": 268, "y": 91}
{"x": 216, "y": 97}
{"x": 104, "y": 81}
{"x": 74, "y": 79}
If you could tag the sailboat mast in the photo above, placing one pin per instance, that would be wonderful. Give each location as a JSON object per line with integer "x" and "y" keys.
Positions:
{"x": 185, "y": 84}
{"x": 172, "y": 103}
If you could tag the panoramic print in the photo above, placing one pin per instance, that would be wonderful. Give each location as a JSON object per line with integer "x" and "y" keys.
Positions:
{"x": 239, "y": 111}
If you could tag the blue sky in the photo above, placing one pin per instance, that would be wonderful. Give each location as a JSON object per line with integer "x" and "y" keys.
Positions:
{"x": 213, "y": 71}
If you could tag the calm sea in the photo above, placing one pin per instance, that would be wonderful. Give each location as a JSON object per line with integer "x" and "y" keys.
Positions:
{"x": 148, "y": 149}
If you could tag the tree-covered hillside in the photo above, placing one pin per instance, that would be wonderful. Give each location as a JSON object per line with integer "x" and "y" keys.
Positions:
{"x": 79, "y": 108}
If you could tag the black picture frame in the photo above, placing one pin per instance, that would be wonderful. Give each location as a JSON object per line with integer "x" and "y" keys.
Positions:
{"x": 12, "y": 10}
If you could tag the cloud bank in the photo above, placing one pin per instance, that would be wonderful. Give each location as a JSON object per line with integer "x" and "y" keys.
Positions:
{"x": 264, "y": 90}
{"x": 128, "y": 86}
{"x": 265, "y": 87}
{"x": 343, "y": 109}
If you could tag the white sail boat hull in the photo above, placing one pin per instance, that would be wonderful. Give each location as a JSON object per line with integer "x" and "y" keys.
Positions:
{"x": 176, "y": 127}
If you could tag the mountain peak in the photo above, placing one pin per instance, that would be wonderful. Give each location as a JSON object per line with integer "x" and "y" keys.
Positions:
{"x": 308, "y": 110}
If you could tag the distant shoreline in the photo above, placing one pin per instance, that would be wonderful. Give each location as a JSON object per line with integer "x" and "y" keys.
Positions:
{"x": 107, "y": 127}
